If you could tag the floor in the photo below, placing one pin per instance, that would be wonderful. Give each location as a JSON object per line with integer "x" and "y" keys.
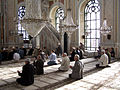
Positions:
{"x": 105, "y": 79}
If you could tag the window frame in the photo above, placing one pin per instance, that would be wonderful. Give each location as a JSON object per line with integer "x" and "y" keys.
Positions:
{"x": 57, "y": 24}
{"x": 89, "y": 39}
{"x": 21, "y": 30}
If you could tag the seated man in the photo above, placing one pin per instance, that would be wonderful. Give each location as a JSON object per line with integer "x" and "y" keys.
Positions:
{"x": 16, "y": 56}
{"x": 103, "y": 61}
{"x": 65, "y": 63}
{"x": 27, "y": 75}
{"x": 99, "y": 53}
{"x": 52, "y": 58}
{"x": 77, "y": 69}
{"x": 109, "y": 55}
{"x": 112, "y": 53}
{"x": 73, "y": 53}
{"x": 39, "y": 64}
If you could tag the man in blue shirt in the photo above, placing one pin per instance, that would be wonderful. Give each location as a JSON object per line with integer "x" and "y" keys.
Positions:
{"x": 52, "y": 58}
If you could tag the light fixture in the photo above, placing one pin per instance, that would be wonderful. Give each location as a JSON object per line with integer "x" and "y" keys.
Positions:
{"x": 105, "y": 29}
{"x": 68, "y": 23}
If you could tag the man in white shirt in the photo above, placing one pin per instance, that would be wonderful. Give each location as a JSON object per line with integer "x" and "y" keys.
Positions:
{"x": 103, "y": 61}
{"x": 16, "y": 56}
{"x": 65, "y": 63}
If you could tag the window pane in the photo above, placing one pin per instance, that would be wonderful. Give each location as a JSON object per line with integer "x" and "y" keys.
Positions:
{"x": 59, "y": 16}
{"x": 93, "y": 16}
{"x": 88, "y": 42}
{"x": 98, "y": 24}
{"x": 98, "y": 15}
{"x": 88, "y": 16}
{"x": 98, "y": 34}
{"x": 93, "y": 34}
{"x": 88, "y": 24}
{"x": 93, "y": 42}
{"x": 21, "y": 30}
{"x": 88, "y": 33}
{"x": 97, "y": 42}
{"x": 92, "y": 25}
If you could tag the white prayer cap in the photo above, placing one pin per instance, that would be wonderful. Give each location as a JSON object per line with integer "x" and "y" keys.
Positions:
{"x": 4, "y": 49}
{"x": 76, "y": 55}
{"x": 65, "y": 54}
{"x": 103, "y": 51}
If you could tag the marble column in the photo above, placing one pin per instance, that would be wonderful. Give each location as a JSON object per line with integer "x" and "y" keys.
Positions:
{"x": 69, "y": 42}
{"x": 62, "y": 41}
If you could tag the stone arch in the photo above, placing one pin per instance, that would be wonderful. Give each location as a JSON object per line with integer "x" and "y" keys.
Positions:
{"x": 53, "y": 9}
{"x": 47, "y": 39}
{"x": 81, "y": 6}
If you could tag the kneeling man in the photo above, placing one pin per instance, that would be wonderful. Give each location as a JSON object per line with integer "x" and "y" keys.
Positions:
{"x": 103, "y": 61}
{"x": 77, "y": 69}
{"x": 27, "y": 74}
{"x": 65, "y": 63}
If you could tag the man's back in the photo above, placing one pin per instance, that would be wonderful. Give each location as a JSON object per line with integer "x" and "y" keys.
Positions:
{"x": 16, "y": 56}
{"x": 28, "y": 74}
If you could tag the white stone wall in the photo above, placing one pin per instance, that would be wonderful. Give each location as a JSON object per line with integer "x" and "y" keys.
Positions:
{"x": 113, "y": 18}
{"x": 109, "y": 15}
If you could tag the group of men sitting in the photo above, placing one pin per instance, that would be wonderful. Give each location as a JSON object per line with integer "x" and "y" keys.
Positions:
{"x": 37, "y": 67}
{"x": 104, "y": 57}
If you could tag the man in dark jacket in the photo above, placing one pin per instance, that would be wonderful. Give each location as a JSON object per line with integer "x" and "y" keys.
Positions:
{"x": 39, "y": 64}
{"x": 73, "y": 53}
{"x": 27, "y": 75}
{"x": 59, "y": 50}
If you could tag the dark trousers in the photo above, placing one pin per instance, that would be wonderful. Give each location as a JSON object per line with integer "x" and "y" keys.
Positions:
{"x": 52, "y": 63}
{"x": 70, "y": 76}
{"x": 98, "y": 66}
{"x": 22, "y": 82}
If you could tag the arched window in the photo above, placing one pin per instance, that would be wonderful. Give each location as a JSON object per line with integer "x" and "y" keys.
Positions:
{"x": 21, "y": 30}
{"x": 92, "y": 25}
{"x": 59, "y": 16}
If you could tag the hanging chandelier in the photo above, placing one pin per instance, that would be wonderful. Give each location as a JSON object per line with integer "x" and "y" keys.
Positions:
{"x": 68, "y": 24}
{"x": 105, "y": 29}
